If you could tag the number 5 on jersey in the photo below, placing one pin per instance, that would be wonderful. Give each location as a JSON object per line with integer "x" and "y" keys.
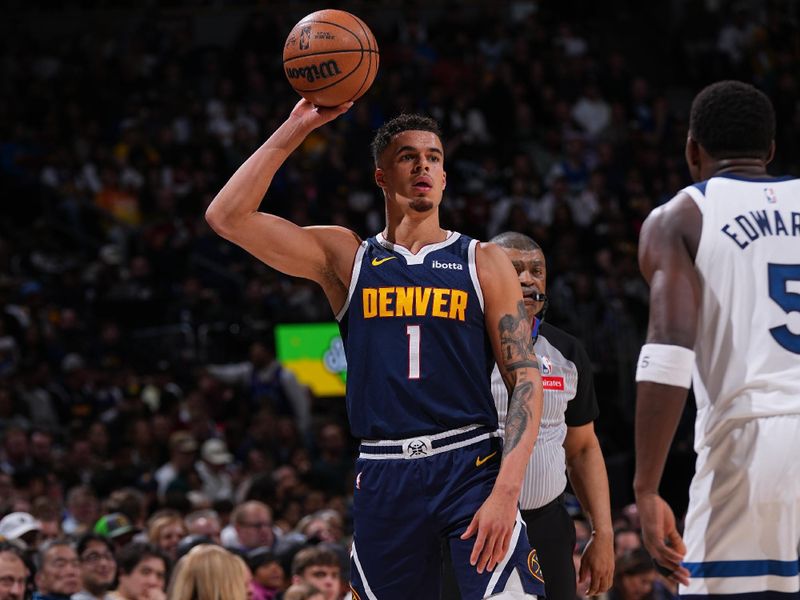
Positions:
{"x": 779, "y": 278}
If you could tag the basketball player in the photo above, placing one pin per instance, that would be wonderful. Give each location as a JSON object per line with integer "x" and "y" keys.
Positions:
{"x": 723, "y": 262}
{"x": 423, "y": 313}
{"x": 566, "y": 443}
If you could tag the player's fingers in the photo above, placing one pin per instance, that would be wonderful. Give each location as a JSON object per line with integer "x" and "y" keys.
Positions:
{"x": 343, "y": 108}
{"x": 599, "y": 583}
{"x": 606, "y": 581}
{"x": 473, "y": 527}
{"x": 492, "y": 549}
{"x": 675, "y": 542}
{"x": 498, "y": 551}
{"x": 678, "y": 573}
{"x": 669, "y": 557}
{"x": 477, "y": 550}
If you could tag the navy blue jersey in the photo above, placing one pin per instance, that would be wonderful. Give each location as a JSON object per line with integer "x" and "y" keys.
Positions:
{"x": 418, "y": 356}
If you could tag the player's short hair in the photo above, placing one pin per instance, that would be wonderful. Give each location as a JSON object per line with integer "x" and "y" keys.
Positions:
{"x": 732, "y": 119}
{"x": 401, "y": 123}
{"x": 515, "y": 241}
{"x": 315, "y": 556}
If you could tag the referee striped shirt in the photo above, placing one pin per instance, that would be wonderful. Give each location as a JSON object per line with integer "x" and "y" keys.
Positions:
{"x": 569, "y": 401}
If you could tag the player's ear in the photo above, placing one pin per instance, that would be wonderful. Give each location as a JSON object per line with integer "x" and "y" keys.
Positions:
{"x": 692, "y": 152}
{"x": 771, "y": 154}
{"x": 380, "y": 178}
{"x": 444, "y": 180}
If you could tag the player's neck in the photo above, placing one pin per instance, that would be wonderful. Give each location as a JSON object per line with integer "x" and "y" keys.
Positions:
{"x": 746, "y": 167}
{"x": 414, "y": 234}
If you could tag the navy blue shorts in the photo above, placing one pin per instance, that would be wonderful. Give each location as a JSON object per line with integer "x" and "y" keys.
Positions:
{"x": 404, "y": 507}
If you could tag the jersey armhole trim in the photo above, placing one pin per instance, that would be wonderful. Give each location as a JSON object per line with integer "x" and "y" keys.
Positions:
{"x": 353, "y": 278}
{"x": 473, "y": 271}
{"x": 697, "y": 195}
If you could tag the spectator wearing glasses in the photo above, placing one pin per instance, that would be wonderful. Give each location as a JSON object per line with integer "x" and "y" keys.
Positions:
{"x": 58, "y": 574}
{"x": 251, "y": 527}
{"x": 14, "y": 572}
{"x": 98, "y": 567}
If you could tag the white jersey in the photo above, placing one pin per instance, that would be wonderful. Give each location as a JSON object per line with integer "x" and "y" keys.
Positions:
{"x": 747, "y": 360}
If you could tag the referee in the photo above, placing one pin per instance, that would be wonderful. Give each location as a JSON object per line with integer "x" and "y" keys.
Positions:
{"x": 566, "y": 444}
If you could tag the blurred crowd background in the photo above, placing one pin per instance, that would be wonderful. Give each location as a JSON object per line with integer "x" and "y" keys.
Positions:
{"x": 137, "y": 368}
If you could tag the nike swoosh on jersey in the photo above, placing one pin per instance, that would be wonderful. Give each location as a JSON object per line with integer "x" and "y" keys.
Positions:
{"x": 479, "y": 461}
{"x": 376, "y": 262}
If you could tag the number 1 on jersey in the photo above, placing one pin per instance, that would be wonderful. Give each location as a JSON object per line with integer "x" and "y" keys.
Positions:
{"x": 413, "y": 333}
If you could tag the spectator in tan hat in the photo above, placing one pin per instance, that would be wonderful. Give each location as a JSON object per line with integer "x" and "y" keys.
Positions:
{"x": 213, "y": 470}
{"x": 182, "y": 449}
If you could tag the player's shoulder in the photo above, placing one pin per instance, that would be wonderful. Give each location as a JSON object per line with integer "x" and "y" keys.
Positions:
{"x": 672, "y": 211}
{"x": 335, "y": 232}
{"x": 678, "y": 218}
{"x": 490, "y": 252}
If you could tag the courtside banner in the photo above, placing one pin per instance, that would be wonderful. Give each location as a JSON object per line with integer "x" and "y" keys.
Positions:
{"x": 315, "y": 354}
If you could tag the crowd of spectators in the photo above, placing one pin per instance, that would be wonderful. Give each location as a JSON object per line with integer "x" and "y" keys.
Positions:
{"x": 139, "y": 389}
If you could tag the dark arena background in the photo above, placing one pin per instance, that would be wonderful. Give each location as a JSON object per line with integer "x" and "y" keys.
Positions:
{"x": 125, "y": 319}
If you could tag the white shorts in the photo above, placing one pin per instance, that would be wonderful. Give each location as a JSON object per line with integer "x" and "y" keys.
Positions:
{"x": 743, "y": 525}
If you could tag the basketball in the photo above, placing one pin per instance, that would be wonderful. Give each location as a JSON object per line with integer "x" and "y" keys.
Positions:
{"x": 330, "y": 57}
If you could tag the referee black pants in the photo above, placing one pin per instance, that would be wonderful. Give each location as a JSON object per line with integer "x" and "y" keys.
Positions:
{"x": 551, "y": 533}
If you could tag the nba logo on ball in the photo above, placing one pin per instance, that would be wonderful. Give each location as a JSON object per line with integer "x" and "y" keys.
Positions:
{"x": 305, "y": 38}
{"x": 331, "y": 57}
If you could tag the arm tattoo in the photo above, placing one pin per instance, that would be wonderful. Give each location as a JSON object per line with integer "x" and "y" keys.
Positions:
{"x": 517, "y": 356}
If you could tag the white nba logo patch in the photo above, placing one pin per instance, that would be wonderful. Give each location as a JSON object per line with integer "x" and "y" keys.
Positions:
{"x": 547, "y": 366}
{"x": 770, "y": 195}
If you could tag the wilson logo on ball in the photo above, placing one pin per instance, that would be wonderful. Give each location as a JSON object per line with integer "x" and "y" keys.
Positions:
{"x": 311, "y": 73}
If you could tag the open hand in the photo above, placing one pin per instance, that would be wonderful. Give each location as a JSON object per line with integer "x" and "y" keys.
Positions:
{"x": 493, "y": 524}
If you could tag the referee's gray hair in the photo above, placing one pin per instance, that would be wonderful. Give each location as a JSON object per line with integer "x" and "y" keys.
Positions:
{"x": 515, "y": 241}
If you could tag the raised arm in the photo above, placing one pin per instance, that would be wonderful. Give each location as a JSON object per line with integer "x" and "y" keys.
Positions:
{"x": 509, "y": 330}
{"x": 322, "y": 254}
{"x": 667, "y": 245}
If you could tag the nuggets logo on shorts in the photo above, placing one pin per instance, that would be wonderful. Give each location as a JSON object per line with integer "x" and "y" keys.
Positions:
{"x": 354, "y": 593}
{"x": 533, "y": 565}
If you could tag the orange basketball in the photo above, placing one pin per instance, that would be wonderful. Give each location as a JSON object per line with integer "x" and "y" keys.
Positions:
{"x": 330, "y": 57}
